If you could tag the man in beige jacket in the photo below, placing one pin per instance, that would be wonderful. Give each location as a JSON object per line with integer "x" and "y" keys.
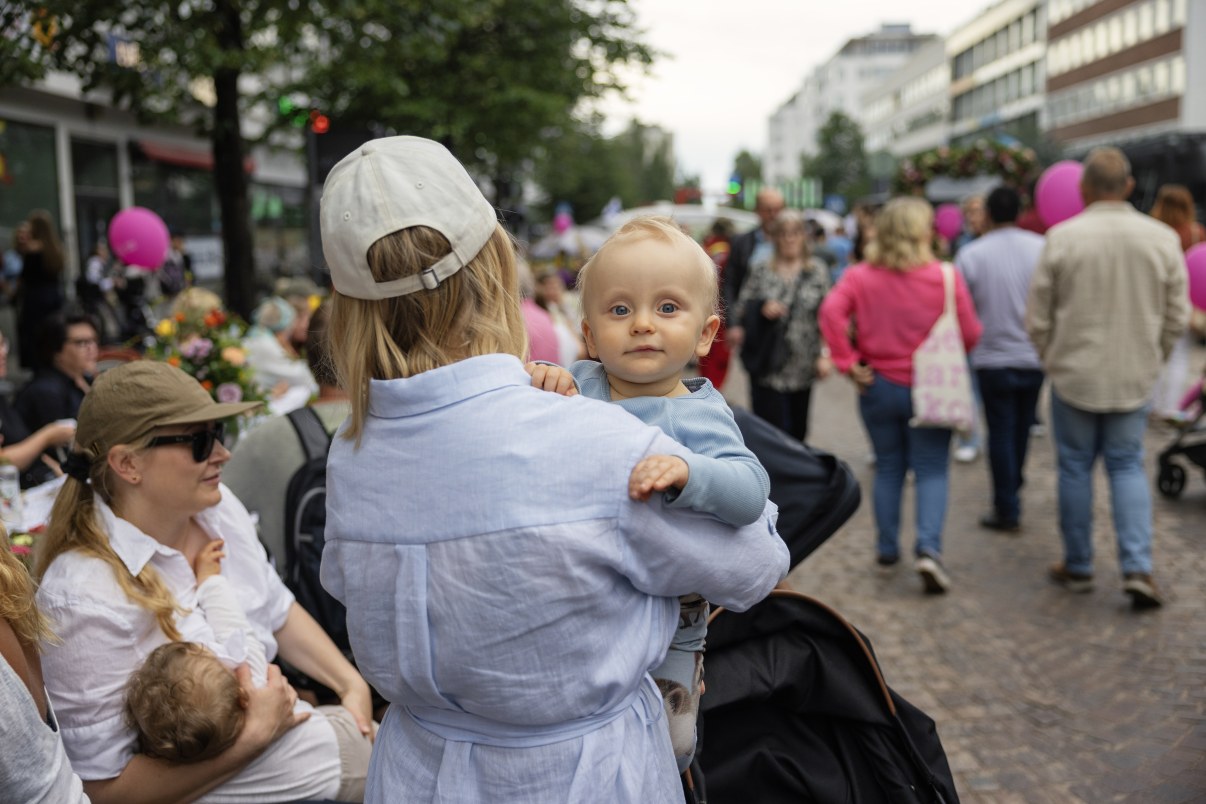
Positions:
{"x": 1107, "y": 302}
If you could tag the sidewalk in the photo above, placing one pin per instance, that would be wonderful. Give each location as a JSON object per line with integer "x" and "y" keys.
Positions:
{"x": 1039, "y": 695}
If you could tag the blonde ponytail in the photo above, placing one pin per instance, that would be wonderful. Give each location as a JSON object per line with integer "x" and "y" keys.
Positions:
{"x": 73, "y": 526}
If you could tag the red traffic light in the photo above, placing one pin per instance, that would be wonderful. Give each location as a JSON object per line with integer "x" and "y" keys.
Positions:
{"x": 319, "y": 122}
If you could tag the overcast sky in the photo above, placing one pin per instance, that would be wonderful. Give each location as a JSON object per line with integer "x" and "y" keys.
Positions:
{"x": 729, "y": 63}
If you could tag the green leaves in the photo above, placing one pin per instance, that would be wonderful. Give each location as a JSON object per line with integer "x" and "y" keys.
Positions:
{"x": 840, "y": 162}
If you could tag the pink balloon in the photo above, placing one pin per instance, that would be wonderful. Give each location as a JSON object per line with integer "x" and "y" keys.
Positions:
{"x": 562, "y": 222}
{"x": 948, "y": 220}
{"x": 1057, "y": 194}
{"x": 1195, "y": 261}
{"x": 139, "y": 237}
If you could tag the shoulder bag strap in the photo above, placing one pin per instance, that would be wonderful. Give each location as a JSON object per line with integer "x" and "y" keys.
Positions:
{"x": 315, "y": 440}
{"x": 948, "y": 285}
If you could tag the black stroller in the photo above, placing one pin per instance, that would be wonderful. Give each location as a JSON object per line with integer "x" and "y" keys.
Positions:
{"x": 796, "y": 708}
{"x": 1189, "y": 443}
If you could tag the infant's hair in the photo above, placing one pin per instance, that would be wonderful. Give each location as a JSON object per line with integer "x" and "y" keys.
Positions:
{"x": 656, "y": 227}
{"x": 184, "y": 703}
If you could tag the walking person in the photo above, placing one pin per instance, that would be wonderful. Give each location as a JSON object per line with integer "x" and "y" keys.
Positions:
{"x": 997, "y": 268}
{"x": 896, "y": 296}
{"x": 744, "y": 249}
{"x": 780, "y": 297}
{"x": 39, "y": 290}
{"x": 1107, "y": 302}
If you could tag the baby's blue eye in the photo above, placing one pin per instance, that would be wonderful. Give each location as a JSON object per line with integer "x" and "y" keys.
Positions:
{"x": 668, "y": 308}
{"x": 620, "y": 309}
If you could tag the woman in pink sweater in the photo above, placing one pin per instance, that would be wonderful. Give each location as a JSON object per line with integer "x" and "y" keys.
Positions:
{"x": 873, "y": 320}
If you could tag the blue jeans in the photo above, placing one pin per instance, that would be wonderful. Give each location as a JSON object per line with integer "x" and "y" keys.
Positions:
{"x": 1010, "y": 397}
{"x": 886, "y": 408}
{"x": 1080, "y": 437}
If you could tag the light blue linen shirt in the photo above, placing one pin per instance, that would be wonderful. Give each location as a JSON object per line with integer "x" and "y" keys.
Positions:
{"x": 506, "y": 595}
{"x": 724, "y": 479}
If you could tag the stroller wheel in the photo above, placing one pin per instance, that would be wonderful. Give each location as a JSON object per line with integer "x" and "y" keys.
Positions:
{"x": 1171, "y": 480}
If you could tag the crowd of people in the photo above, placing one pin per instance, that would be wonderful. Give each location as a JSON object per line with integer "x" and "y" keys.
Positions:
{"x": 521, "y": 622}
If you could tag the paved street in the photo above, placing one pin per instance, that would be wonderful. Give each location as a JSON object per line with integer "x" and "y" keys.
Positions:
{"x": 1039, "y": 695}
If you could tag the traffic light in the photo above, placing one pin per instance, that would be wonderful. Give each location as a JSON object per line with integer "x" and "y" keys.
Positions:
{"x": 303, "y": 115}
{"x": 735, "y": 184}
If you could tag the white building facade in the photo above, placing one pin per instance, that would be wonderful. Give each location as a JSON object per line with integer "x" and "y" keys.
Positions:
{"x": 839, "y": 84}
{"x": 910, "y": 112}
{"x": 998, "y": 72}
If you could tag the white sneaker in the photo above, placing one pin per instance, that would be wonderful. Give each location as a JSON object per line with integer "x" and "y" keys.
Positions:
{"x": 966, "y": 453}
{"x": 933, "y": 576}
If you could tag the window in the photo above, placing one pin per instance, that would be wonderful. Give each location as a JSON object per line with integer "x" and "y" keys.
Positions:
{"x": 33, "y": 177}
{"x": 1130, "y": 27}
{"x": 1115, "y": 33}
{"x": 1160, "y": 78}
{"x": 1162, "y": 17}
{"x": 1145, "y": 22}
{"x": 1028, "y": 29}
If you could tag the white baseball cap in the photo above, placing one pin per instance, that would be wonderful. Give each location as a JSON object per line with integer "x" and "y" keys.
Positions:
{"x": 394, "y": 183}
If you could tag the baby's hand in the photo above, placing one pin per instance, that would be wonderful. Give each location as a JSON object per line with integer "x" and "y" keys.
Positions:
{"x": 209, "y": 560}
{"x": 552, "y": 378}
{"x": 657, "y": 473}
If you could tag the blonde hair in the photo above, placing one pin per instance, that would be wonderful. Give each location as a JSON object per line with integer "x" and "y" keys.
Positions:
{"x": 17, "y": 606}
{"x": 902, "y": 235}
{"x": 473, "y": 312}
{"x": 654, "y": 227}
{"x": 185, "y": 705}
{"x": 73, "y": 526}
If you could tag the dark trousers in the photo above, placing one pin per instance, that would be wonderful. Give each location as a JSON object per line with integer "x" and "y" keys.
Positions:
{"x": 1010, "y": 397}
{"x": 787, "y": 410}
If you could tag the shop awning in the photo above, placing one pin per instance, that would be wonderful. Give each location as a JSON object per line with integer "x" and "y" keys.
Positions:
{"x": 185, "y": 156}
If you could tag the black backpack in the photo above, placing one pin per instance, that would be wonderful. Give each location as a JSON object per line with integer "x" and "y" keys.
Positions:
{"x": 305, "y": 525}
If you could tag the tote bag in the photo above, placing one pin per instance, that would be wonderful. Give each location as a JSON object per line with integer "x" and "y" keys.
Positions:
{"x": 942, "y": 395}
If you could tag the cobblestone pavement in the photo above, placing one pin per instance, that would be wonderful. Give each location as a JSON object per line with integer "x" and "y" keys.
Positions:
{"x": 1039, "y": 695}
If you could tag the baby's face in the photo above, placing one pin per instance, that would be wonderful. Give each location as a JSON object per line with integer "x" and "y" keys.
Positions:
{"x": 647, "y": 311}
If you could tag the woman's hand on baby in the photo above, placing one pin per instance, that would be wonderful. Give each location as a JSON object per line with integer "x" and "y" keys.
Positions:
{"x": 269, "y": 710}
{"x": 552, "y": 378}
{"x": 209, "y": 560}
{"x": 657, "y": 473}
{"x": 358, "y": 699}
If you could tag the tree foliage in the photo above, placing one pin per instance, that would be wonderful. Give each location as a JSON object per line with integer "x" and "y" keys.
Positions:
{"x": 748, "y": 166}
{"x": 491, "y": 79}
{"x": 577, "y": 164}
{"x": 189, "y": 62}
{"x": 840, "y": 162}
{"x": 486, "y": 77}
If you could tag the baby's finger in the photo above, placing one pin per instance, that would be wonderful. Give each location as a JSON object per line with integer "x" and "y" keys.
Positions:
{"x": 565, "y": 384}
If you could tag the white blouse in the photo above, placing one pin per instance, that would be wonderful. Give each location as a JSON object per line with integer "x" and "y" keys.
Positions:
{"x": 104, "y": 637}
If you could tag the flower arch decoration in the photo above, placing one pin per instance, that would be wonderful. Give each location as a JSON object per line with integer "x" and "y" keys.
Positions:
{"x": 1015, "y": 165}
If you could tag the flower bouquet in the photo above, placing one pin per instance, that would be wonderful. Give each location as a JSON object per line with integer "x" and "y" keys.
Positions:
{"x": 21, "y": 544}
{"x": 207, "y": 345}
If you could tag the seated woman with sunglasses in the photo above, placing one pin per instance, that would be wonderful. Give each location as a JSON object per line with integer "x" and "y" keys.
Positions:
{"x": 142, "y": 498}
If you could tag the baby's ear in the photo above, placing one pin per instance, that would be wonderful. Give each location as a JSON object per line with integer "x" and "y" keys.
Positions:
{"x": 244, "y": 698}
{"x": 707, "y": 335}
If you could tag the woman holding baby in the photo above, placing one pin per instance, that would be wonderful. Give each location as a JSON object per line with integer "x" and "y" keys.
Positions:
{"x": 142, "y": 500}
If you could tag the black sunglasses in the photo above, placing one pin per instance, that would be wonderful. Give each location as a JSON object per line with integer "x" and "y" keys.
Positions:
{"x": 203, "y": 441}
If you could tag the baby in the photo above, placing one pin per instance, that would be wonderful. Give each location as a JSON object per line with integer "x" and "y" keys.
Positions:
{"x": 649, "y": 301}
{"x": 187, "y": 706}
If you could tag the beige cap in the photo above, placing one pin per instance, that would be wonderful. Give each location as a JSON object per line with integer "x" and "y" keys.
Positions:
{"x": 129, "y": 401}
{"x": 391, "y": 184}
